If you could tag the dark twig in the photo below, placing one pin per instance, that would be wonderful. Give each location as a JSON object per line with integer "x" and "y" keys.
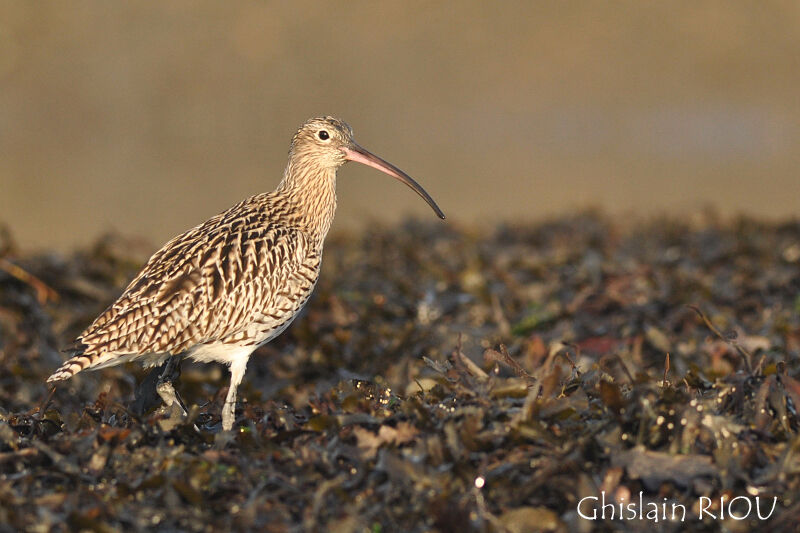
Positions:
{"x": 46, "y": 402}
{"x": 572, "y": 364}
{"x": 624, "y": 368}
{"x": 43, "y": 291}
{"x": 504, "y": 357}
{"x": 744, "y": 354}
{"x": 468, "y": 364}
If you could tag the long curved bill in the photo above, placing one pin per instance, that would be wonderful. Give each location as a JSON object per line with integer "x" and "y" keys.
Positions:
{"x": 359, "y": 155}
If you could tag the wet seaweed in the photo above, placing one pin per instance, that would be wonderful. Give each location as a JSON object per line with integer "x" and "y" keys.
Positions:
{"x": 440, "y": 379}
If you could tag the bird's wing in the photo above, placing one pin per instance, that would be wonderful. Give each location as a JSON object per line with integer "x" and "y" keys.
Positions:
{"x": 205, "y": 285}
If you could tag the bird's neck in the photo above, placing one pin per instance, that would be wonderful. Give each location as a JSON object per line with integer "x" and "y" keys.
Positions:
{"x": 311, "y": 191}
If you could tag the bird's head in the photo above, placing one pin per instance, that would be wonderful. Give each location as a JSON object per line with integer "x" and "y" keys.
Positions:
{"x": 321, "y": 142}
{"x": 326, "y": 143}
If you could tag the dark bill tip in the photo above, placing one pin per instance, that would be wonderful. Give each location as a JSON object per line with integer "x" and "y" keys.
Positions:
{"x": 360, "y": 155}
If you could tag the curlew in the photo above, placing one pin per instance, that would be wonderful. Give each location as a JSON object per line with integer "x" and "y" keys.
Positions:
{"x": 222, "y": 289}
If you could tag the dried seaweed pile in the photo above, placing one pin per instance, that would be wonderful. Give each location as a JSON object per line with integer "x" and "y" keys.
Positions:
{"x": 439, "y": 380}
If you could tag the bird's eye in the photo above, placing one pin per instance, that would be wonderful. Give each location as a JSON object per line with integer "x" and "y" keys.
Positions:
{"x": 323, "y": 135}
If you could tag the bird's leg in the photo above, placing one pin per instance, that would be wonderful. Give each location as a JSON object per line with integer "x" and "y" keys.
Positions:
{"x": 145, "y": 396}
{"x": 229, "y": 408}
{"x": 165, "y": 387}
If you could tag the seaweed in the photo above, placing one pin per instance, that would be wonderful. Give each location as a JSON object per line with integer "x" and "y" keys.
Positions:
{"x": 441, "y": 379}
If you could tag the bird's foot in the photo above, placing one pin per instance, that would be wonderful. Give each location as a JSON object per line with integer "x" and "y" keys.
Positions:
{"x": 170, "y": 396}
{"x": 157, "y": 387}
{"x": 165, "y": 387}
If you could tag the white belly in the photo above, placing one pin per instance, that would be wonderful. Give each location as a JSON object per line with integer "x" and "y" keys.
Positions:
{"x": 256, "y": 335}
{"x": 218, "y": 352}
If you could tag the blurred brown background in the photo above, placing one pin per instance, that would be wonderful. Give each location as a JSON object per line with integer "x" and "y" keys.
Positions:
{"x": 148, "y": 118}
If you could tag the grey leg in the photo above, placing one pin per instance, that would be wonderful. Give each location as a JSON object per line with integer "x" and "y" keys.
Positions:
{"x": 164, "y": 386}
{"x": 229, "y": 408}
{"x": 145, "y": 396}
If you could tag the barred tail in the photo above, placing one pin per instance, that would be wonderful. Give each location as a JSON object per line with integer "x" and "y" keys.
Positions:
{"x": 73, "y": 365}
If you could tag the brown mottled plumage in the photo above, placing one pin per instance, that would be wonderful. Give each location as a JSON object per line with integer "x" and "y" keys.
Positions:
{"x": 233, "y": 283}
